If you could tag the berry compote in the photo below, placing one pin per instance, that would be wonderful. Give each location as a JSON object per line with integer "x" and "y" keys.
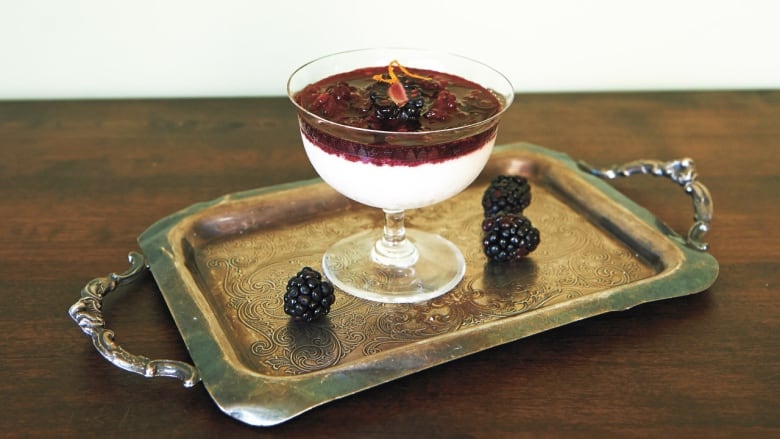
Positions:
{"x": 395, "y": 98}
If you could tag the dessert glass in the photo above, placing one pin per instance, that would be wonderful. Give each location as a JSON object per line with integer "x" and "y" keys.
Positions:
{"x": 395, "y": 172}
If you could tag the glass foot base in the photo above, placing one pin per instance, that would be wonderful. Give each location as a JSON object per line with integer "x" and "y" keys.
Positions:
{"x": 436, "y": 269}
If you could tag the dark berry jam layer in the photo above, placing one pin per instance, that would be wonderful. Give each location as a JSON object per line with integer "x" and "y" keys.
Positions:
{"x": 390, "y": 155}
{"x": 411, "y": 100}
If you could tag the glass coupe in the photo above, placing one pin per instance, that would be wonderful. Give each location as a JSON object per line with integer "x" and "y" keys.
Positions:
{"x": 395, "y": 172}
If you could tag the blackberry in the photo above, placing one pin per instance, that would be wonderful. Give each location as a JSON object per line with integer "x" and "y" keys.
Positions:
{"x": 506, "y": 194}
{"x": 509, "y": 237}
{"x": 411, "y": 110}
{"x": 308, "y": 297}
{"x": 384, "y": 108}
{"x": 395, "y": 118}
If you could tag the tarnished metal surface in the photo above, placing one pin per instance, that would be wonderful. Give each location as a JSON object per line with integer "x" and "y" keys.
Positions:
{"x": 223, "y": 266}
{"x": 87, "y": 312}
{"x": 682, "y": 172}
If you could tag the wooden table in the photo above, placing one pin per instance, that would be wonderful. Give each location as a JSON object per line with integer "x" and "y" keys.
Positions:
{"x": 80, "y": 180}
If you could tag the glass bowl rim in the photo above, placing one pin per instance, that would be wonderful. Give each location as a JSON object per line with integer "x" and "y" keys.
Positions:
{"x": 405, "y": 134}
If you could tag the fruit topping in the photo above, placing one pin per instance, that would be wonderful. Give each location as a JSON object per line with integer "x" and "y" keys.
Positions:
{"x": 397, "y": 93}
{"x": 308, "y": 296}
{"x": 508, "y": 237}
{"x": 506, "y": 194}
{"x": 399, "y": 99}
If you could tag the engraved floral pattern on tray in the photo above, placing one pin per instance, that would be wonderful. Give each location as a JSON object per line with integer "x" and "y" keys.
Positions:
{"x": 247, "y": 276}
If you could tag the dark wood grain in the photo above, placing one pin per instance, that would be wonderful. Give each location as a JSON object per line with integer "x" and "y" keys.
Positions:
{"x": 80, "y": 180}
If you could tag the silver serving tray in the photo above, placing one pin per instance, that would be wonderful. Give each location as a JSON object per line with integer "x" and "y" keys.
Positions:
{"x": 222, "y": 267}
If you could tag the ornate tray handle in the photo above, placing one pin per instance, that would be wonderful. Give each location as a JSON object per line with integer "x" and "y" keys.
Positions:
{"x": 682, "y": 172}
{"x": 87, "y": 314}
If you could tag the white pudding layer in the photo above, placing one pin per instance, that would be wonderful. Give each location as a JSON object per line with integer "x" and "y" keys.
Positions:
{"x": 398, "y": 186}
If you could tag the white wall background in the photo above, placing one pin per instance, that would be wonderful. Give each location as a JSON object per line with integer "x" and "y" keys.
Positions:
{"x": 180, "y": 48}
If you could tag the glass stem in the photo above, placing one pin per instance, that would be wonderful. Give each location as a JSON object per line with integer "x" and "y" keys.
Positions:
{"x": 394, "y": 249}
{"x": 394, "y": 231}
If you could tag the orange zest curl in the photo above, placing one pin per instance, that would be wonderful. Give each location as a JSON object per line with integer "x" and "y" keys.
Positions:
{"x": 393, "y": 78}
